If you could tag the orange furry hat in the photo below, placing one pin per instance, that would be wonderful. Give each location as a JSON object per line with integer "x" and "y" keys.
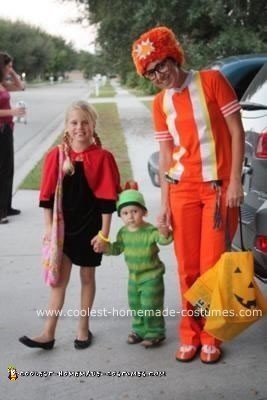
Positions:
{"x": 156, "y": 44}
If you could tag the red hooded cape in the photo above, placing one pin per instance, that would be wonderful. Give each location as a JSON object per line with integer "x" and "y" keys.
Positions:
{"x": 100, "y": 170}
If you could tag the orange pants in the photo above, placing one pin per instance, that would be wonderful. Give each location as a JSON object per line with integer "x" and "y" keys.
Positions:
{"x": 198, "y": 246}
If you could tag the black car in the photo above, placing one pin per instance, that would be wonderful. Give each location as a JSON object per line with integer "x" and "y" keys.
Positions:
{"x": 240, "y": 70}
{"x": 254, "y": 208}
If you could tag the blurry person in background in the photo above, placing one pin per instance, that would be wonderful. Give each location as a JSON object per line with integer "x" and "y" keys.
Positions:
{"x": 9, "y": 81}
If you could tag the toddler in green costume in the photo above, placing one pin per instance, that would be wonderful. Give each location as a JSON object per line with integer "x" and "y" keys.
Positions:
{"x": 139, "y": 240}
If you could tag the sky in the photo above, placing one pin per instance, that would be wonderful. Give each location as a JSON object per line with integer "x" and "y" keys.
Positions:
{"x": 51, "y": 16}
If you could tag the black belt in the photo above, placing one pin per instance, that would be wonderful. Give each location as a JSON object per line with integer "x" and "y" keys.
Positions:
{"x": 169, "y": 179}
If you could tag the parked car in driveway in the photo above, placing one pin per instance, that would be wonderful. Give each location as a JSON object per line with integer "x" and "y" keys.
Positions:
{"x": 254, "y": 208}
{"x": 240, "y": 70}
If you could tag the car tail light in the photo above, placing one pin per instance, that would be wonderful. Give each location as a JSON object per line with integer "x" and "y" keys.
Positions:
{"x": 261, "y": 243}
{"x": 261, "y": 150}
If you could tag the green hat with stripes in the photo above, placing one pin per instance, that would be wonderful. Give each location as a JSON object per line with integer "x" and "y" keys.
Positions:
{"x": 130, "y": 197}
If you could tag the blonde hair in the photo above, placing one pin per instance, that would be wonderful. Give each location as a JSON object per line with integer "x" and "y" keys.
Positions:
{"x": 91, "y": 116}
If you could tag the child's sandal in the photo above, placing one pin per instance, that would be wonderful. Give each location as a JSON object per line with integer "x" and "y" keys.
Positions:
{"x": 133, "y": 338}
{"x": 152, "y": 342}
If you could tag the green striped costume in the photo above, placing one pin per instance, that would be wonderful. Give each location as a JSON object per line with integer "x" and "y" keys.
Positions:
{"x": 145, "y": 285}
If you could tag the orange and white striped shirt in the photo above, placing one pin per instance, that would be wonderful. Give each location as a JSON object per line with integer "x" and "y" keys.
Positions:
{"x": 193, "y": 117}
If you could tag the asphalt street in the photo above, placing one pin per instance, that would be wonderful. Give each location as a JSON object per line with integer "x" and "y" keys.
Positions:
{"x": 46, "y": 107}
{"x": 110, "y": 369}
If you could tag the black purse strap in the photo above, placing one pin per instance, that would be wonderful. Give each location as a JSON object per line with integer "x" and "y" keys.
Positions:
{"x": 241, "y": 229}
{"x": 228, "y": 242}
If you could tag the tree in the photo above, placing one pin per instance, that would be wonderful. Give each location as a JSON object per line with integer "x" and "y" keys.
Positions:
{"x": 35, "y": 52}
{"x": 206, "y": 28}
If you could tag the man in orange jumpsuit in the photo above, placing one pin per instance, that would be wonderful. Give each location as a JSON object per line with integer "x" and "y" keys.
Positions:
{"x": 198, "y": 126}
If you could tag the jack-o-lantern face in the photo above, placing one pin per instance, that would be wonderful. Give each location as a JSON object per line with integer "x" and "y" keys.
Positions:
{"x": 246, "y": 295}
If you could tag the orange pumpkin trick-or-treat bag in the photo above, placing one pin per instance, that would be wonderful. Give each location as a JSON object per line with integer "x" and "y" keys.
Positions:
{"x": 228, "y": 296}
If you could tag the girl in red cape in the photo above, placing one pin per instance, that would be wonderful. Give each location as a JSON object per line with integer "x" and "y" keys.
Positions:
{"x": 91, "y": 183}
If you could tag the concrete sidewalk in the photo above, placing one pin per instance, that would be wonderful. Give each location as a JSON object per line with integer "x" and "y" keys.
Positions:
{"x": 240, "y": 374}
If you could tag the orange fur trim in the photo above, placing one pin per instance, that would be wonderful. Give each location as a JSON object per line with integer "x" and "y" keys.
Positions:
{"x": 156, "y": 44}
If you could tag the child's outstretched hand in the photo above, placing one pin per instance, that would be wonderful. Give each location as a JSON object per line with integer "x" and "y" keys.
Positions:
{"x": 164, "y": 230}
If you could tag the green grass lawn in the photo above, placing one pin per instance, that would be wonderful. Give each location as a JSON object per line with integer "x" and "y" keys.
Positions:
{"x": 105, "y": 91}
{"x": 112, "y": 137}
{"x": 32, "y": 180}
{"x": 136, "y": 91}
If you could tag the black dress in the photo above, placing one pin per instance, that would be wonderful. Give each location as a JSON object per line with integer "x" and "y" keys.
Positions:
{"x": 82, "y": 217}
